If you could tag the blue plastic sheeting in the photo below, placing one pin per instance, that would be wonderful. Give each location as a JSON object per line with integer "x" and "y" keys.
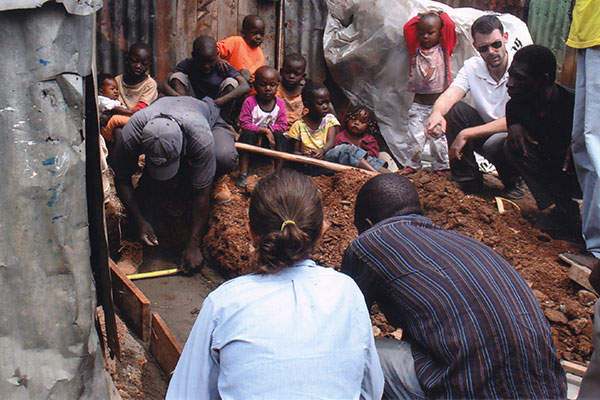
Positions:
{"x": 48, "y": 343}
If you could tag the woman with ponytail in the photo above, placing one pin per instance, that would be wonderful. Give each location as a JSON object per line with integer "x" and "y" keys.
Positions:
{"x": 292, "y": 329}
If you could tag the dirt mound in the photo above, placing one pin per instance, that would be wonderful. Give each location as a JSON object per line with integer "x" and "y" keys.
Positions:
{"x": 532, "y": 252}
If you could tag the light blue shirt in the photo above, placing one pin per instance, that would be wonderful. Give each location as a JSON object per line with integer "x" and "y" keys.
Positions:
{"x": 302, "y": 333}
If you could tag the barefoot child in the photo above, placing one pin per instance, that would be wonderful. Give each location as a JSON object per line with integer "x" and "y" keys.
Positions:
{"x": 137, "y": 89}
{"x": 262, "y": 116}
{"x": 431, "y": 39}
{"x": 356, "y": 145}
{"x": 260, "y": 335}
{"x": 314, "y": 133}
{"x": 243, "y": 52}
{"x": 293, "y": 73}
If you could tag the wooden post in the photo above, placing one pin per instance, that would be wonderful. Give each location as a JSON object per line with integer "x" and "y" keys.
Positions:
{"x": 298, "y": 158}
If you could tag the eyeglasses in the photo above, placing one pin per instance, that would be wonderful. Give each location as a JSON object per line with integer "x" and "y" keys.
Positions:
{"x": 483, "y": 49}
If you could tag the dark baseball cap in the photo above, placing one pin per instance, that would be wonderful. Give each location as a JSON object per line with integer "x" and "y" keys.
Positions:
{"x": 162, "y": 142}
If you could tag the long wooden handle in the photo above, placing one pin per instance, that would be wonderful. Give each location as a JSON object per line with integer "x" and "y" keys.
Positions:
{"x": 297, "y": 158}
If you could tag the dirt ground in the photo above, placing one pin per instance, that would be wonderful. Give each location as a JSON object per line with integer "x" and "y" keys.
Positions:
{"x": 533, "y": 252}
{"x": 514, "y": 235}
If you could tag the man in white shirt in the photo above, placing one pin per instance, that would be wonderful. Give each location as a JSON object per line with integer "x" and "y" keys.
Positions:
{"x": 481, "y": 128}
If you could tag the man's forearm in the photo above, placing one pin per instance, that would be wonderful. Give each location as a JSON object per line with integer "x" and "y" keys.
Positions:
{"x": 125, "y": 193}
{"x": 449, "y": 98}
{"x": 242, "y": 89}
{"x": 485, "y": 130}
{"x": 200, "y": 205}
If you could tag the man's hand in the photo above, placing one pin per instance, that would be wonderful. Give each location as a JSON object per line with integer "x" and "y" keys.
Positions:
{"x": 146, "y": 233}
{"x": 222, "y": 65}
{"x": 516, "y": 139}
{"x": 455, "y": 151}
{"x": 436, "y": 125}
{"x": 192, "y": 259}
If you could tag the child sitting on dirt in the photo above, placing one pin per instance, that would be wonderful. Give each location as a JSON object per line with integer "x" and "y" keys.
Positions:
{"x": 314, "y": 133}
{"x": 293, "y": 73}
{"x": 263, "y": 116}
{"x": 137, "y": 89}
{"x": 256, "y": 328}
{"x": 356, "y": 144}
{"x": 109, "y": 104}
{"x": 243, "y": 52}
{"x": 431, "y": 39}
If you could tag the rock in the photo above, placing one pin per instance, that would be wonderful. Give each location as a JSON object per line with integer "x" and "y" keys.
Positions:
{"x": 397, "y": 334}
{"x": 578, "y": 325}
{"x": 586, "y": 297}
{"x": 555, "y": 316}
{"x": 540, "y": 296}
{"x": 376, "y": 331}
{"x": 584, "y": 346}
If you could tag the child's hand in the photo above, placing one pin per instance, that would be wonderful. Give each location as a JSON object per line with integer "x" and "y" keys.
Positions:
{"x": 222, "y": 65}
{"x": 270, "y": 137}
{"x": 318, "y": 153}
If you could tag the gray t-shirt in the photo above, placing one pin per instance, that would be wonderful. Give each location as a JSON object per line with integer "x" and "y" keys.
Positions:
{"x": 195, "y": 118}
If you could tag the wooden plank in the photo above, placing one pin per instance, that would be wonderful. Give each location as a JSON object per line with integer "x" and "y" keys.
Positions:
{"x": 568, "y": 70}
{"x": 163, "y": 345}
{"x": 134, "y": 306}
{"x": 268, "y": 14}
{"x": 581, "y": 275}
{"x": 226, "y": 19}
{"x": 165, "y": 38}
{"x": 206, "y": 18}
{"x": 573, "y": 368}
{"x": 298, "y": 158}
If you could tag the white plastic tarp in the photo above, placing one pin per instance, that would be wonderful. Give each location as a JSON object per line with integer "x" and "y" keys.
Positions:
{"x": 367, "y": 56}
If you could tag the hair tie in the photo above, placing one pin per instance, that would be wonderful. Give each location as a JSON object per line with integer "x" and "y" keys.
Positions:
{"x": 287, "y": 222}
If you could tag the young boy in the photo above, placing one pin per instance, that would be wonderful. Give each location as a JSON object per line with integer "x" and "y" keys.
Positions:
{"x": 108, "y": 95}
{"x": 262, "y": 116}
{"x": 431, "y": 39}
{"x": 198, "y": 77}
{"x": 137, "y": 89}
{"x": 243, "y": 52}
{"x": 293, "y": 73}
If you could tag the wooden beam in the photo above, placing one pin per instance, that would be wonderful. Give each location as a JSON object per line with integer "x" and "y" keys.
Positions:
{"x": 573, "y": 368}
{"x": 134, "y": 306}
{"x": 163, "y": 345}
{"x": 298, "y": 158}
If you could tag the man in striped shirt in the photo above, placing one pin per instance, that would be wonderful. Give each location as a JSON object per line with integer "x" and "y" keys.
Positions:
{"x": 472, "y": 327}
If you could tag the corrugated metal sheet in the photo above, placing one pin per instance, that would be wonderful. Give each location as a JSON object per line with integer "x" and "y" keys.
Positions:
{"x": 119, "y": 24}
{"x": 303, "y": 24}
{"x": 517, "y": 8}
{"x": 549, "y": 23}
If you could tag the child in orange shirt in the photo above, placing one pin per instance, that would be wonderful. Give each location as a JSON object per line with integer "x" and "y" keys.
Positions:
{"x": 243, "y": 52}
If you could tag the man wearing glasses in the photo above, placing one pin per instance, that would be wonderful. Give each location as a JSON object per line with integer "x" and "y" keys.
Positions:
{"x": 481, "y": 128}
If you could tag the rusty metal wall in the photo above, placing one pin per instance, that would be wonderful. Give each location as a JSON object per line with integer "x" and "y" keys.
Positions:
{"x": 170, "y": 27}
{"x": 119, "y": 24}
{"x": 303, "y": 25}
{"x": 549, "y": 23}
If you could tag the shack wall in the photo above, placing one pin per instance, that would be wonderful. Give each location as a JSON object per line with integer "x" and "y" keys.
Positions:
{"x": 170, "y": 28}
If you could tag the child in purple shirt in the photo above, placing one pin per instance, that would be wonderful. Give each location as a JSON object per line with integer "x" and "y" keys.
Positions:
{"x": 263, "y": 116}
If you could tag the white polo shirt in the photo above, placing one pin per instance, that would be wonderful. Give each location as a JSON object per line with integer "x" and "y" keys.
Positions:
{"x": 489, "y": 97}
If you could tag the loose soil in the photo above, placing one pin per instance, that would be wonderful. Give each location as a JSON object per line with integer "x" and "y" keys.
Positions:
{"x": 534, "y": 253}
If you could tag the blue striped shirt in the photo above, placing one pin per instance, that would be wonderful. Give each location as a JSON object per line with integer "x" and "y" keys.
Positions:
{"x": 476, "y": 329}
